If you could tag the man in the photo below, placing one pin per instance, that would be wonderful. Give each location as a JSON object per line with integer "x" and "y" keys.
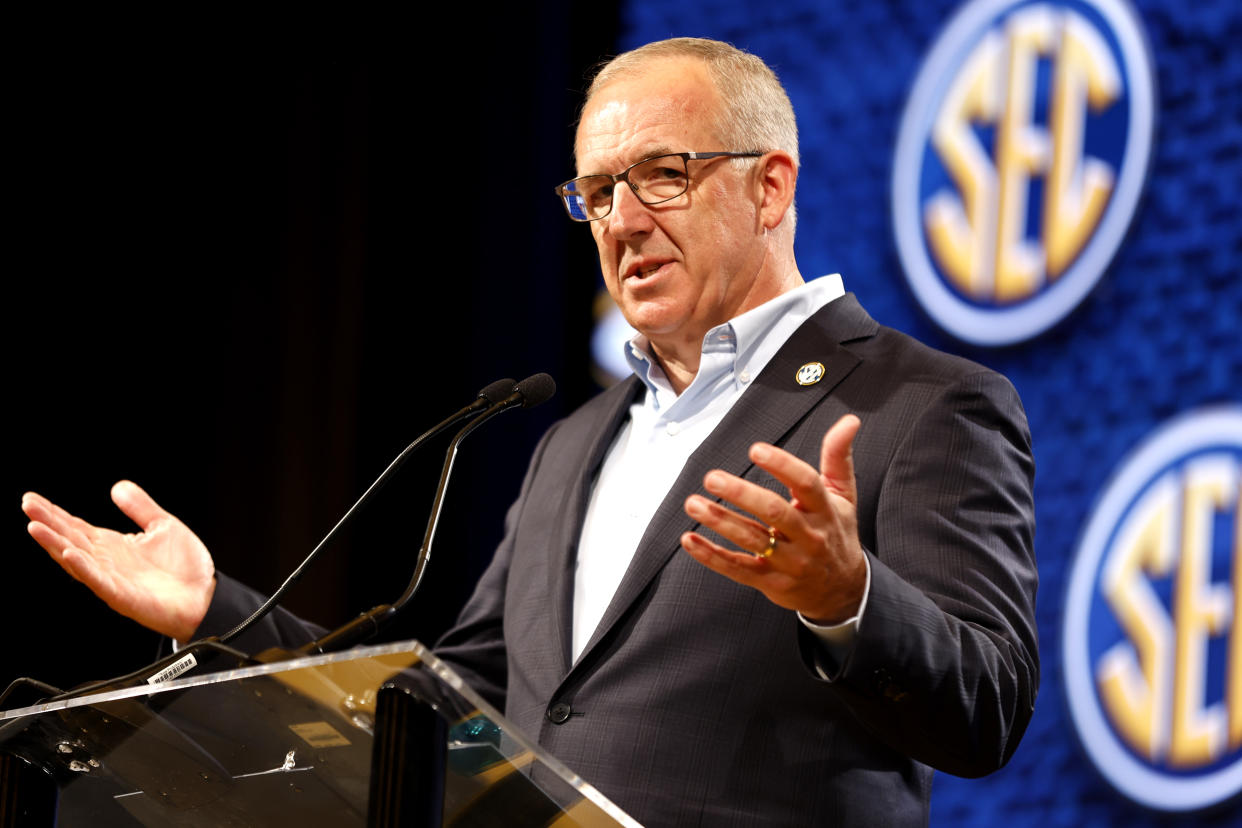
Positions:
{"x": 856, "y": 601}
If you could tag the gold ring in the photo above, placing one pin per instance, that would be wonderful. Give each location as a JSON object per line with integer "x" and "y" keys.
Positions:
{"x": 771, "y": 547}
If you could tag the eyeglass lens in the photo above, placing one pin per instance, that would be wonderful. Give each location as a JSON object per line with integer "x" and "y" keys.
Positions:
{"x": 653, "y": 181}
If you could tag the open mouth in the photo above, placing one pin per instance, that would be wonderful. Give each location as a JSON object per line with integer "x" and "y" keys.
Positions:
{"x": 646, "y": 271}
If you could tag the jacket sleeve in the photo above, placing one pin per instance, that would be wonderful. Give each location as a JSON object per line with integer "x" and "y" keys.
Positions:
{"x": 233, "y": 602}
{"x": 945, "y": 666}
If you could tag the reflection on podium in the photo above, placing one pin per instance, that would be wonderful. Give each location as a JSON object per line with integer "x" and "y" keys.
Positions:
{"x": 377, "y": 736}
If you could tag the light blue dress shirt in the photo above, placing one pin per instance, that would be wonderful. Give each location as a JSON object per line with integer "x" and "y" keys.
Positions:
{"x": 664, "y": 429}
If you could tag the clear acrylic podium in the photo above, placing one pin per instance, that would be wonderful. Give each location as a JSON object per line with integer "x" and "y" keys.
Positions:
{"x": 376, "y": 736}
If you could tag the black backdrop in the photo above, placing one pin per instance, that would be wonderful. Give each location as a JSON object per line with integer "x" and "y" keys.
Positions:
{"x": 246, "y": 270}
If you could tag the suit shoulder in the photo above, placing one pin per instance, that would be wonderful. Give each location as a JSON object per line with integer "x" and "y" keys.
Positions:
{"x": 919, "y": 362}
{"x": 907, "y": 379}
{"x": 891, "y": 356}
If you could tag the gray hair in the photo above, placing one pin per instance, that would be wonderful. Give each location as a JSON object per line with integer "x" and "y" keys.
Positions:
{"x": 755, "y": 114}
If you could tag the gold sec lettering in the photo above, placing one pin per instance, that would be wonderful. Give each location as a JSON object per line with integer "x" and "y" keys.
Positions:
{"x": 1233, "y": 686}
{"x": 1153, "y": 683}
{"x": 977, "y": 234}
{"x": 1021, "y": 152}
{"x": 1078, "y": 187}
{"x": 962, "y": 238}
{"x": 1136, "y": 694}
{"x": 1200, "y": 610}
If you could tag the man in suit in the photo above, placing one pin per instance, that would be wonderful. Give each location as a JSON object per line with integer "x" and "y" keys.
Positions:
{"x": 854, "y": 605}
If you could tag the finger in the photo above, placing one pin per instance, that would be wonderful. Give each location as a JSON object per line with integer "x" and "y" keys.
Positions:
{"x": 738, "y": 566}
{"x": 52, "y": 541}
{"x": 40, "y": 508}
{"x": 79, "y": 564}
{"x": 137, "y": 505}
{"x": 796, "y": 527}
{"x": 803, "y": 481}
{"x": 836, "y": 457}
{"x": 769, "y": 507}
{"x": 747, "y": 534}
{"x": 87, "y": 570}
{"x": 73, "y": 530}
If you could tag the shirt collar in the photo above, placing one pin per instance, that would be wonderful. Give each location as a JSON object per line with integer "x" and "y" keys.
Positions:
{"x": 753, "y": 337}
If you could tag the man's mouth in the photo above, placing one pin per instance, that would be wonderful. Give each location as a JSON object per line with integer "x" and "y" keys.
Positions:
{"x": 644, "y": 270}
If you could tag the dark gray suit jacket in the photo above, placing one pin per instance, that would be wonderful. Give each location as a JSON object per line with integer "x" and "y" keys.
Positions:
{"x": 695, "y": 702}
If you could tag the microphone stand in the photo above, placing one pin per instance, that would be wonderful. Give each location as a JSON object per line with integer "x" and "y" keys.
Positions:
{"x": 529, "y": 392}
{"x": 484, "y": 402}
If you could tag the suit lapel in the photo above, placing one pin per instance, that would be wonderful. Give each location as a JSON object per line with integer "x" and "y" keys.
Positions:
{"x": 766, "y": 411}
{"x": 614, "y": 410}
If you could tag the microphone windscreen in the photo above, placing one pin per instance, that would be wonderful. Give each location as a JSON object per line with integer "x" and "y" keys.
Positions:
{"x": 498, "y": 390}
{"x": 536, "y": 389}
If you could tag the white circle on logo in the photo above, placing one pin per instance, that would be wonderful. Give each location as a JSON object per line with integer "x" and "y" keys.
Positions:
{"x": 1007, "y": 324}
{"x": 1183, "y": 436}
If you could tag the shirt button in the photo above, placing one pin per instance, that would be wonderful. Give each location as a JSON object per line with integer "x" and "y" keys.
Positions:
{"x": 559, "y": 713}
{"x": 744, "y": 377}
{"x": 673, "y": 429}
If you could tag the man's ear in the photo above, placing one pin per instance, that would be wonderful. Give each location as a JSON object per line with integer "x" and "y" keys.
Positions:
{"x": 776, "y": 179}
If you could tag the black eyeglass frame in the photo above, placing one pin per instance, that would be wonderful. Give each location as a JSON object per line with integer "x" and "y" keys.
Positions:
{"x": 565, "y": 195}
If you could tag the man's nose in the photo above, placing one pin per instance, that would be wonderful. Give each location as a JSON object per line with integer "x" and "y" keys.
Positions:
{"x": 629, "y": 215}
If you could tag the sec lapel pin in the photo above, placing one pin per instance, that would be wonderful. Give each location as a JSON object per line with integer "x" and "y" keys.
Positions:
{"x": 810, "y": 373}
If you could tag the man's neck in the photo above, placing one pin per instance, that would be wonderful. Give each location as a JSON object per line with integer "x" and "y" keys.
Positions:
{"x": 680, "y": 373}
{"x": 679, "y": 359}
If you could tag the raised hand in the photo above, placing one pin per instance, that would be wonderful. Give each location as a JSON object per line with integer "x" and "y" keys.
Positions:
{"x": 162, "y": 577}
{"x": 817, "y": 566}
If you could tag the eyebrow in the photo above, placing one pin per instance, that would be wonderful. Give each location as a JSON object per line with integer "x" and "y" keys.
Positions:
{"x": 651, "y": 152}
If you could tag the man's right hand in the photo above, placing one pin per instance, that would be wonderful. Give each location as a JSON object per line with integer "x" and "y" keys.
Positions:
{"x": 162, "y": 577}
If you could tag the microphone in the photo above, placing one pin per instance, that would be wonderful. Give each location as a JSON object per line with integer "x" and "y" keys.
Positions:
{"x": 534, "y": 390}
{"x": 528, "y": 393}
{"x": 489, "y": 397}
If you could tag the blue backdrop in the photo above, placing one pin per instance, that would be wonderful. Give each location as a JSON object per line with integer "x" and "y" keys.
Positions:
{"x": 1155, "y": 338}
{"x": 246, "y": 277}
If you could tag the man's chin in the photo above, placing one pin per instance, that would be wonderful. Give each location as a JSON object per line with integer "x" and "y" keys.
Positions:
{"x": 653, "y": 325}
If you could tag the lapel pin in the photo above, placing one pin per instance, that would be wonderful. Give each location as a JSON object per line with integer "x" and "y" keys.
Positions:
{"x": 810, "y": 373}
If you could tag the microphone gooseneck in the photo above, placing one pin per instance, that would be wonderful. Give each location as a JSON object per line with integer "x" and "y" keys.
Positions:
{"x": 528, "y": 393}
{"x": 485, "y": 400}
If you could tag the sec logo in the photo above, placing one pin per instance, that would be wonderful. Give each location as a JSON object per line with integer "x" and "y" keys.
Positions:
{"x": 1020, "y": 159}
{"x": 1152, "y": 642}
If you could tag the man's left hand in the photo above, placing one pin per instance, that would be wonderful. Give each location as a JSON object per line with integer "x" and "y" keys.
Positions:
{"x": 818, "y": 566}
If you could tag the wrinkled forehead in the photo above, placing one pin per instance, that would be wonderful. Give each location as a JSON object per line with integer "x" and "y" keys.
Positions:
{"x": 669, "y": 107}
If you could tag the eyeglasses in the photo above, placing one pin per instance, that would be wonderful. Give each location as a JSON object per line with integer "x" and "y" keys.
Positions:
{"x": 653, "y": 180}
